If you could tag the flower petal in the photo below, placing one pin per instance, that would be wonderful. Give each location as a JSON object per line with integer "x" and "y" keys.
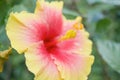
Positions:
{"x": 58, "y": 5}
{"x": 40, "y": 63}
{"x": 3, "y": 57}
{"x": 73, "y": 66}
{"x": 23, "y": 29}
{"x": 79, "y": 44}
{"x": 52, "y": 13}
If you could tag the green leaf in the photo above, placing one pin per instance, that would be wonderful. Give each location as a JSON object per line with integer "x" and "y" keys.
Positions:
{"x": 111, "y": 2}
{"x": 25, "y": 5}
{"x": 70, "y": 12}
{"x": 29, "y": 4}
{"x": 18, "y": 8}
{"x": 82, "y": 6}
{"x": 4, "y": 42}
{"x": 3, "y": 11}
{"x": 93, "y": 1}
{"x": 102, "y": 25}
{"x": 110, "y": 52}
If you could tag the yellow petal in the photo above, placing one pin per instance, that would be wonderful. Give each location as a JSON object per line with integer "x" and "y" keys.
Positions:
{"x": 41, "y": 5}
{"x": 39, "y": 62}
{"x": 73, "y": 66}
{"x": 21, "y": 30}
{"x": 3, "y": 57}
{"x": 81, "y": 41}
{"x": 85, "y": 46}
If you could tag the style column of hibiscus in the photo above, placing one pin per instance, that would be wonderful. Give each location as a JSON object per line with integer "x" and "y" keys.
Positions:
{"x": 55, "y": 48}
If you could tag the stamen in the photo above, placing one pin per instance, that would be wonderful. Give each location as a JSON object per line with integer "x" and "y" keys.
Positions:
{"x": 78, "y": 25}
{"x": 73, "y": 32}
{"x": 69, "y": 34}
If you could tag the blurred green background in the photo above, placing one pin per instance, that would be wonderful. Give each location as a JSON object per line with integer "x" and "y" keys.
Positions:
{"x": 101, "y": 19}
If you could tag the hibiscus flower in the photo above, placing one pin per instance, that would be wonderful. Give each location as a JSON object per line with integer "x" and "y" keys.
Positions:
{"x": 55, "y": 48}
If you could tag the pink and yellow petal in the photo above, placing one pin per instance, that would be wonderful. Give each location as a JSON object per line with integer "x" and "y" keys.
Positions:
{"x": 79, "y": 44}
{"x": 73, "y": 66}
{"x": 40, "y": 63}
{"x": 41, "y": 4}
{"x": 82, "y": 44}
{"x": 23, "y": 30}
{"x": 86, "y": 44}
{"x": 52, "y": 14}
{"x": 71, "y": 24}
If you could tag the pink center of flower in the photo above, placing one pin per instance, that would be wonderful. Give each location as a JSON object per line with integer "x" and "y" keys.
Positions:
{"x": 50, "y": 44}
